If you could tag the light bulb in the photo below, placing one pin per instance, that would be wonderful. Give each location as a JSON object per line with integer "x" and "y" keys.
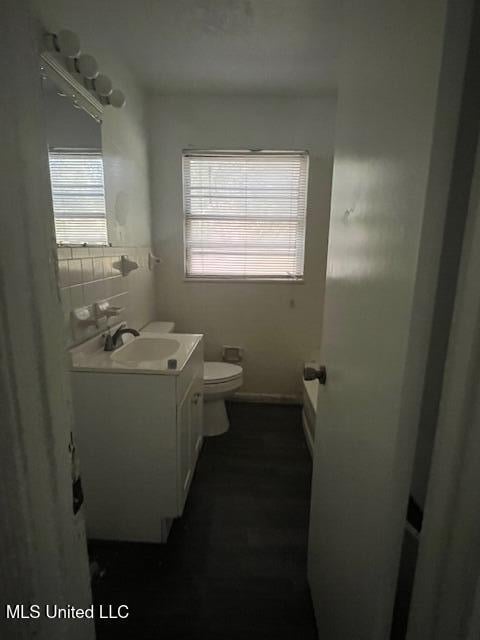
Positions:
{"x": 103, "y": 85}
{"x": 87, "y": 66}
{"x": 117, "y": 98}
{"x": 67, "y": 43}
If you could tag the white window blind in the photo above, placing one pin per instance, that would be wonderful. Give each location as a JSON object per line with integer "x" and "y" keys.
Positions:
{"x": 78, "y": 195}
{"x": 245, "y": 214}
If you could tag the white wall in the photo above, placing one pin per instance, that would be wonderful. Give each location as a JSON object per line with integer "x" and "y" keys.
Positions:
{"x": 278, "y": 325}
{"x": 125, "y": 156}
{"x": 67, "y": 126}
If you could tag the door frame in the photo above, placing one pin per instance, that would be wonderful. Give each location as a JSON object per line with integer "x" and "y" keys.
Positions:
{"x": 333, "y": 595}
{"x": 44, "y": 558}
{"x": 446, "y": 596}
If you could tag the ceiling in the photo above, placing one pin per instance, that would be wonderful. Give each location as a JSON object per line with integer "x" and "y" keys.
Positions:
{"x": 213, "y": 46}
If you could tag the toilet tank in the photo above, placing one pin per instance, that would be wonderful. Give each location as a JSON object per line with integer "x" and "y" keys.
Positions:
{"x": 159, "y": 327}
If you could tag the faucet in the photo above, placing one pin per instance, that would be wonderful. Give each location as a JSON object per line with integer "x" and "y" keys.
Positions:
{"x": 115, "y": 341}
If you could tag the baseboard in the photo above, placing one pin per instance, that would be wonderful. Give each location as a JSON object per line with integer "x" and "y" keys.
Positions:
{"x": 266, "y": 398}
{"x": 308, "y": 435}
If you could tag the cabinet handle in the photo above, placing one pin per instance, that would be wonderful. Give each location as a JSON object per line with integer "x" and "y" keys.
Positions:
{"x": 196, "y": 398}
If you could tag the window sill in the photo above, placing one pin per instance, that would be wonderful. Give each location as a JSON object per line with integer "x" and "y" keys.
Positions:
{"x": 246, "y": 280}
{"x": 85, "y": 245}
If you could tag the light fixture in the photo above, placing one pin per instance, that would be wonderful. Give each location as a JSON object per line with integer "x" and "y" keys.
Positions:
{"x": 87, "y": 66}
{"x": 103, "y": 85}
{"x": 65, "y": 42}
{"x": 117, "y": 98}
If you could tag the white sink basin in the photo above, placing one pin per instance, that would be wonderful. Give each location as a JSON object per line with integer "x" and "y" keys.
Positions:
{"x": 146, "y": 350}
{"x": 147, "y": 353}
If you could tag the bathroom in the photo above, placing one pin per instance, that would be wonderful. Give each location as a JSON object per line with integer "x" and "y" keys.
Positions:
{"x": 238, "y": 199}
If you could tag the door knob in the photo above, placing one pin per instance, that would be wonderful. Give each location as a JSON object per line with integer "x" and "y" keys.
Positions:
{"x": 313, "y": 371}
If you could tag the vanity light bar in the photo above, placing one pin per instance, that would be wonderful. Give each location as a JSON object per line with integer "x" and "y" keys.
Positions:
{"x": 51, "y": 68}
{"x": 67, "y": 44}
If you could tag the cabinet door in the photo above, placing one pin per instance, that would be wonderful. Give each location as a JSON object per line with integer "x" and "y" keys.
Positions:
{"x": 184, "y": 455}
{"x": 196, "y": 424}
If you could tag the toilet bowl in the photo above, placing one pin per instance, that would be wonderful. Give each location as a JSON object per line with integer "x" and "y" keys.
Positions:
{"x": 220, "y": 380}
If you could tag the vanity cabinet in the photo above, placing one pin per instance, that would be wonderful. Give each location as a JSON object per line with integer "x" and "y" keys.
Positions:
{"x": 197, "y": 423}
{"x": 184, "y": 460}
{"x": 190, "y": 428}
{"x": 139, "y": 436}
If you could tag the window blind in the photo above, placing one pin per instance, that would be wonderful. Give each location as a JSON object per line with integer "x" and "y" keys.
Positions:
{"x": 78, "y": 195}
{"x": 245, "y": 214}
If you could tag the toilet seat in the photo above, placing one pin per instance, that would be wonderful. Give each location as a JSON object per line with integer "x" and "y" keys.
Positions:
{"x": 220, "y": 372}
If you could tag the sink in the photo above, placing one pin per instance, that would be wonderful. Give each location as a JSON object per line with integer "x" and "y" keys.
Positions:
{"x": 147, "y": 353}
{"x": 146, "y": 350}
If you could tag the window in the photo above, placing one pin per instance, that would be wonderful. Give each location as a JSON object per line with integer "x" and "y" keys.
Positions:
{"x": 78, "y": 195}
{"x": 245, "y": 214}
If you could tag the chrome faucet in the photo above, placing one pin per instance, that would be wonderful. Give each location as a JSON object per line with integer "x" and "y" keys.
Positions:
{"x": 114, "y": 341}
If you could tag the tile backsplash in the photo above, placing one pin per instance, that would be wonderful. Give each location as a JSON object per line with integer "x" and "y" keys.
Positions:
{"x": 86, "y": 275}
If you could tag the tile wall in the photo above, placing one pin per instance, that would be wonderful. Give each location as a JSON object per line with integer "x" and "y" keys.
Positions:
{"x": 86, "y": 275}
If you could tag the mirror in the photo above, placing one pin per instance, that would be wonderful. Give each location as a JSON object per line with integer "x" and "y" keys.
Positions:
{"x": 76, "y": 170}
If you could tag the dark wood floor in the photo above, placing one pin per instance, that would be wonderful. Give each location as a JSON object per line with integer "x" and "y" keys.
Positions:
{"x": 235, "y": 563}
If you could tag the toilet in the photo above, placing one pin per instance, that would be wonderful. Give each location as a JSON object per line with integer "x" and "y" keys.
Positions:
{"x": 220, "y": 380}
